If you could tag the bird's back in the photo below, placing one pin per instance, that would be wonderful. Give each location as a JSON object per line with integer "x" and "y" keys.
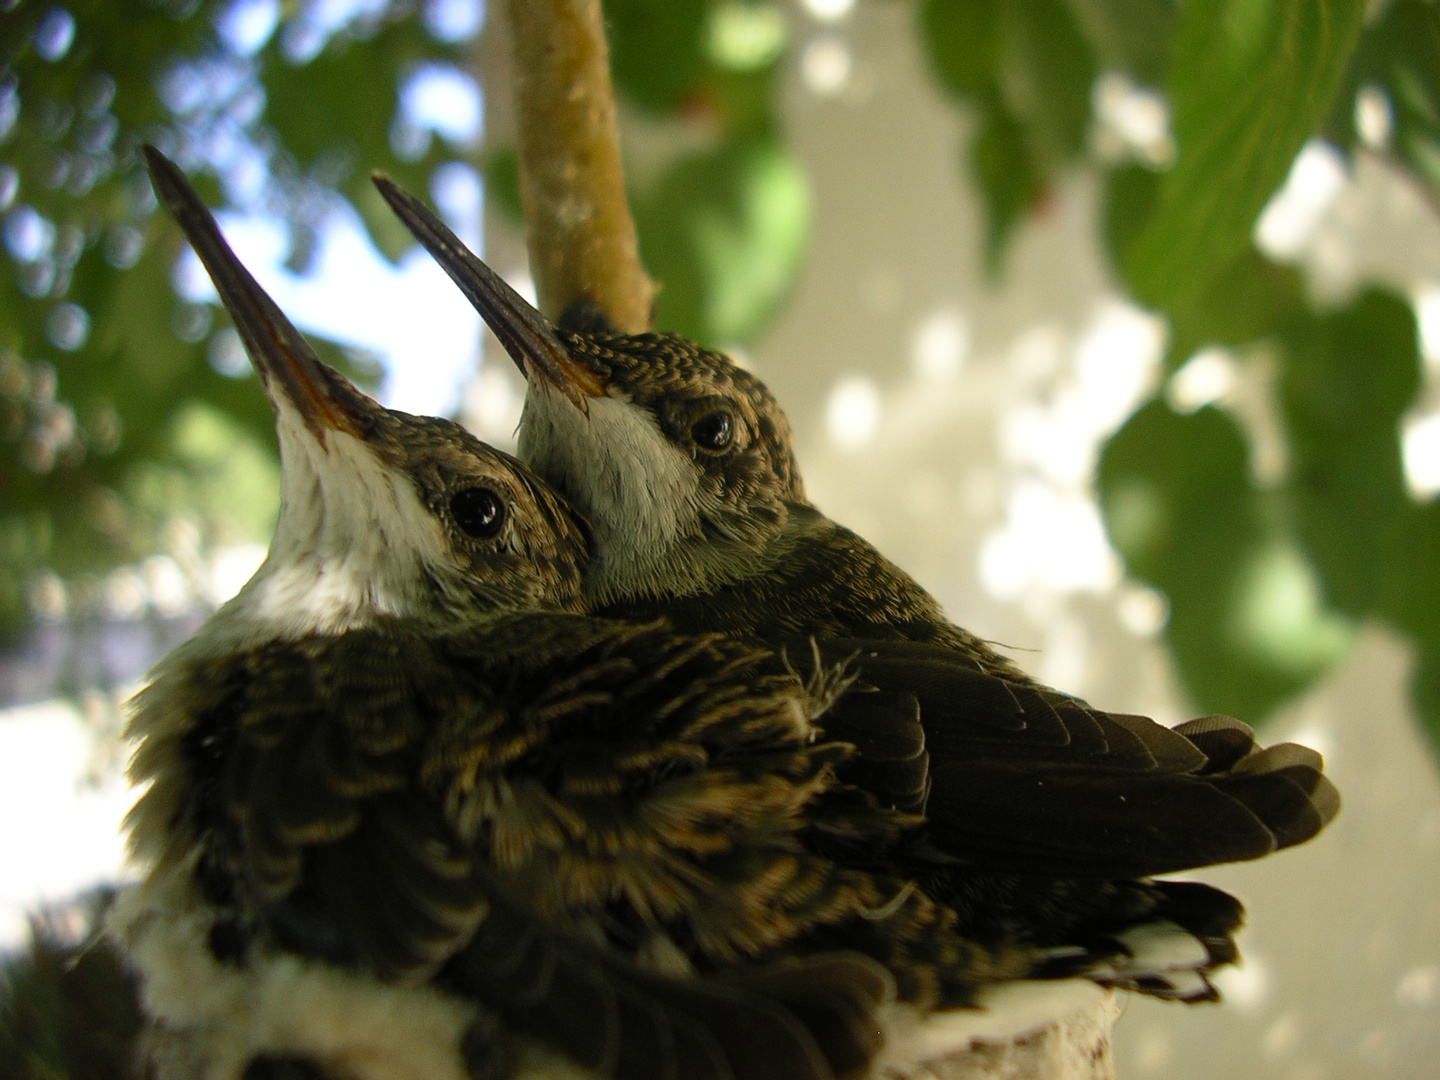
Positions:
{"x": 1012, "y": 776}
{"x": 819, "y": 579}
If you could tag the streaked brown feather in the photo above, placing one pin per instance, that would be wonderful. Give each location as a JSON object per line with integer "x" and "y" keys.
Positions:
{"x": 388, "y": 788}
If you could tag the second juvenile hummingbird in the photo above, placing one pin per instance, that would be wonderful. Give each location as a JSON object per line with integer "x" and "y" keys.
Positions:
{"x": 683, "y": 464}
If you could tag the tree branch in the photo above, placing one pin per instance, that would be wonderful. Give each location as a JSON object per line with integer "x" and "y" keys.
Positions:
{"x": 577, "y": 220}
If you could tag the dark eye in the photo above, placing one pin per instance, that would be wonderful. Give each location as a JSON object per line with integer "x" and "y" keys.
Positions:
{"x": 713, "y": 431}
{"x": 479, "y": 511}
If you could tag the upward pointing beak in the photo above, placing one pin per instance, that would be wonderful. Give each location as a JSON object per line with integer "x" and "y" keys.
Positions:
{"x": 324, "y": 398}
{"x": 528, "y": 336}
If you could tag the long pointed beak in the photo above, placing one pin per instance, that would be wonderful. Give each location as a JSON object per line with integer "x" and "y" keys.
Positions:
{"x": 324, "y": 398}
{"x": 528, "y": 336}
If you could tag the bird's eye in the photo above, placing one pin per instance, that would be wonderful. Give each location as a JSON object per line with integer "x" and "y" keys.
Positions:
{"x": 479, "y": 511}
{"x": 714, "y": 431}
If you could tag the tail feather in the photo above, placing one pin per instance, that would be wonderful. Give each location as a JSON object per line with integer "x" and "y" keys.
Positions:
{"x": 1222, "y": 739}
{"x": 1026, "y": 779}
{"x": 809, "y": 1019}
{"x": 837, "y": 997}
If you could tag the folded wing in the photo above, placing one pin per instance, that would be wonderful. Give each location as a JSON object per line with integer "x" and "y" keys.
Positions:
{"x": 1018, "y": 777}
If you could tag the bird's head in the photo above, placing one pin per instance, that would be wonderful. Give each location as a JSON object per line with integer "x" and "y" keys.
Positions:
{"x": 681, "y": 460}
{"x": 383, "y": 514}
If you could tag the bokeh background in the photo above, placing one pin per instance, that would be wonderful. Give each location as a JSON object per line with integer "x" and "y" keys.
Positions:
{"x": 1116, "y": 322}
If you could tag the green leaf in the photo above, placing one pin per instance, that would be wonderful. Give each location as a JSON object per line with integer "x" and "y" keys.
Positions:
{"x": 80, "y": 116}
{"x": 1129, "y": 200}
{"x": 1029, "y": 69}
{"x": 1348, "y": 377}
{"x": 744, "y": 102}
{"x": 1249, "y": 83}
{"x": 1410, "y": 581}
{"x": 657, "y": 49}
{"x": 1399, "y": 55}
{"x": 1027, "y": 54}
{"x": 1129, "y": 35}
{"x": 391, "y": 238}
{"x": 1009, "y": 179}
{"x": 108, "y": 438}
{"x": 723, "y": 233}
{"x": 961, "y": 39}
{"x": 1249, "y": 298}
{"x": 1045, "y": 73}
{"x": 1425, "y": 696}
{"x": 1247, "y": 625}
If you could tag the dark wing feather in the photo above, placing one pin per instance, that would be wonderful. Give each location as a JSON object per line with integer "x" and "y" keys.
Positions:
{"x": 804, "y": 1020}
{"x": 1027, "y": 779}
{"x": 372, "y": 775}
{"x": 886, "y": 732}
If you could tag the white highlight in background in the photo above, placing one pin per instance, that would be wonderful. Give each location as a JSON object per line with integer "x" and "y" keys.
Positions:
{"x": 1142, "y": 610}
{"x": 1374, "y": 118}
{"x": 1207, "y": 377}
{"x": 1315, "y": 734}
{"x": 45, "y": 755}
{"x": 1245, "y": 986}
{"x": 1049, "y": 539}
{"x": 852, "y": 416}
{"x": 230, "y": 567}
{"x": 1420, "y": 450}
{"x": 940, "y": 346}
{"x": 1289, "y": 219}
{"x": 1115, "y": 364}
{"x": 1427, "y": 314}
{"x": 825, "y": 65}
{"x": 1116, "y": 361}
{"x": 1418, "y": 987}
{"x": 445, "y": 100}
{"x": 1129, "y": 117}
{"x": 492, "y": 403}
{"x": 828, "y": 11}
{"x": 246, "y": 25}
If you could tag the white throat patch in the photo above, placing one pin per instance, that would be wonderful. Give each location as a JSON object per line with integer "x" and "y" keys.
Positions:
{"x": 640, "y": 492}
{"x": 351, "y": 544}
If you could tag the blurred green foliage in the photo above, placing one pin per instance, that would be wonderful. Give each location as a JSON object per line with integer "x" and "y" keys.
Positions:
{"x": 1248, "y": 83}
{"x": 1027, "y": 68}
{"x": 121, "y": 411}
{"x": 1266, "y": 581}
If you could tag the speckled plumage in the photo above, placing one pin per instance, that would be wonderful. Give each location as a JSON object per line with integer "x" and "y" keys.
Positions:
{"x": 399, "y": 776}
{"x": 412, "y": 814}
{"x": 1046, "y": 806}
{"x": 1014, "y": 776}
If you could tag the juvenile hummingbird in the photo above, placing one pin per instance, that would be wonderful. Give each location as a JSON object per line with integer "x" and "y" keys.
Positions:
{"x": 411, "y": 813}
{"x": 400, "y": 786}
{"x": 683, "y": 464}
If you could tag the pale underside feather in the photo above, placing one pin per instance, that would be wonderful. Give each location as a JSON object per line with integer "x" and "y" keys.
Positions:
{"x": 639, "y": 491}
{"x": 352, "y": 543}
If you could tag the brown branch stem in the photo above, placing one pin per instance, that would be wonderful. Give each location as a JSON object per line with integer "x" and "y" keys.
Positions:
{"x": 577, "y": 219}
